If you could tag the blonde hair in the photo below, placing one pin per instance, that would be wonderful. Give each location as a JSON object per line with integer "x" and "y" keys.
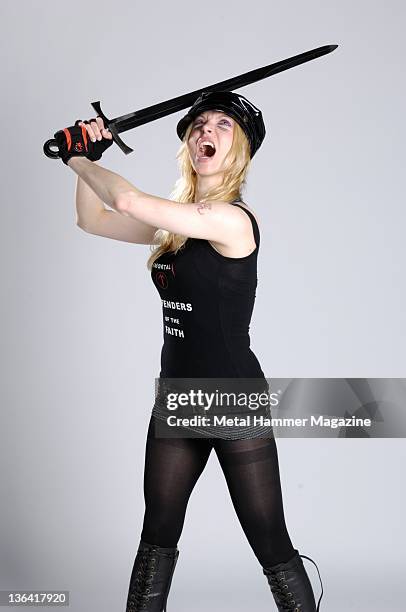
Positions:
{"x": 236, "y": 164}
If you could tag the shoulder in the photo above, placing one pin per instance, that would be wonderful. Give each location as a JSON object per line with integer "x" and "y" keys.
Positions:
{"x": 229, "y": 208}
{"x": 234, "y": 219}
{"x": 248, "y": 208}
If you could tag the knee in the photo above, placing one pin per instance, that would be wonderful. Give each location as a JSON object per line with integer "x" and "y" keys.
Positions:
{"x": 162, "y": 526}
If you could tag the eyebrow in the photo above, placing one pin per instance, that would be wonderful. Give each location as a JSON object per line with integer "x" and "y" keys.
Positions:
{"x": 202, "y": 117}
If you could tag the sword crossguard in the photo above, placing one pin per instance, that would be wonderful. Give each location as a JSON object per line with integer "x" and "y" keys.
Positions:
{"x": 111, "y": 125}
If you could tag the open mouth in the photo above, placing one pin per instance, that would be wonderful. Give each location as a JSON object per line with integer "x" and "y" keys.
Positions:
{"x": 205, "y": 150}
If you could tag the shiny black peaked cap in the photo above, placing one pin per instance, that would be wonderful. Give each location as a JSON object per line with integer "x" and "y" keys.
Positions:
{"x": 248, "y": 116}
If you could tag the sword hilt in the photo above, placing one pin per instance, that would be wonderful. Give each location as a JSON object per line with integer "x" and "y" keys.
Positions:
{"x": 54, "y": 154}
{"x": 111, "y": 125}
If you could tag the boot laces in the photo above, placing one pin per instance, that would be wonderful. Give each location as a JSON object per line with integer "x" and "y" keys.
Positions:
{"x": 280, "y": 589}
{"x": 142, "y": 583}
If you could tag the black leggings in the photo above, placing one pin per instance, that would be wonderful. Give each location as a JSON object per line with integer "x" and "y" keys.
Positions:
{"x": 251, "y": 469}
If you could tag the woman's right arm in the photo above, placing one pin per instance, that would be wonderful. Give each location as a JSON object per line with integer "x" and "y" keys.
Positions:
{"x": 94, "y": 218}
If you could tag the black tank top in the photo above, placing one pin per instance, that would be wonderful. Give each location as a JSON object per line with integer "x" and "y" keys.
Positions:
{"x": 207, "y": 303}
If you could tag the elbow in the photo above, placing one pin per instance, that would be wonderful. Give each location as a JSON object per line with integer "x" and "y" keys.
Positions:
{"x": 125, "y": 204}
{"x": 80, "y": 223}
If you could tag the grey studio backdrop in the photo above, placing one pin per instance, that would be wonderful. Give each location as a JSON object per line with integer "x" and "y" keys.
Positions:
{"x": 81, "y": 333}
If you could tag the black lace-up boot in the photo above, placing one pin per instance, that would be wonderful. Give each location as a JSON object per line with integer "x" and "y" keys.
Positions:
{"x": 151, "y": 578}
{"x": 290, "y": 585}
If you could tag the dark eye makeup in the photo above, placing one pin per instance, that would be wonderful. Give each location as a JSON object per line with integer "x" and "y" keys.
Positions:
{"x": 198, "y": 122}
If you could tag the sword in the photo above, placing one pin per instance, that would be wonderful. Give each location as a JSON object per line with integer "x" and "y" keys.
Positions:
{"x": 162, "y": 109}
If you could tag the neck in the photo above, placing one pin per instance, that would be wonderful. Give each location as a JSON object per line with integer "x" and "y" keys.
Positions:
{"x": 204, "y": 183}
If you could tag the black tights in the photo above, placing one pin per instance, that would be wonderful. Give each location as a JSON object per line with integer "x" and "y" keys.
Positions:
{"x": 251, "y": 469}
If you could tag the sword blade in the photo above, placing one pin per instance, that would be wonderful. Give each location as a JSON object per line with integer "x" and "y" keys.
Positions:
{"x": 162, "y": 109}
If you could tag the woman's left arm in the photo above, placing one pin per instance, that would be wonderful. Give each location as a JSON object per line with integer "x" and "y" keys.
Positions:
{"x": 217, "y": 221}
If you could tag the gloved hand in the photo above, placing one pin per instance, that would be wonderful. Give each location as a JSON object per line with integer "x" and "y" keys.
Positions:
{"x": 84, "y": 139}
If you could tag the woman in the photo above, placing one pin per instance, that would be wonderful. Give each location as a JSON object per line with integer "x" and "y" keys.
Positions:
{"x": 204, "y": 268}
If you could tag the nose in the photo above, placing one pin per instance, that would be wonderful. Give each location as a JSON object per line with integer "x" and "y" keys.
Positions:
{"x": 207, "y": 128}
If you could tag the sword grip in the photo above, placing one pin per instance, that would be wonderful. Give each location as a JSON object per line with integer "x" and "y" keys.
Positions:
{"x": 110, "y": 124}
{"x": 53, "y": 153}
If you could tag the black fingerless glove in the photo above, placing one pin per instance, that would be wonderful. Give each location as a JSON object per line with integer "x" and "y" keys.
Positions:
{"x": 74, "y": 141}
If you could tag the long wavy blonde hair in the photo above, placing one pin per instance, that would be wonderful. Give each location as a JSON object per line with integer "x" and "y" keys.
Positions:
{"x": 236, "y": 164}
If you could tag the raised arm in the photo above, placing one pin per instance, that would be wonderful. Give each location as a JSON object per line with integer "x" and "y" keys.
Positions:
{"x": 92, "y": 215}
{"x": 216, "y": 221}
{"x": 94, "y": 218}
